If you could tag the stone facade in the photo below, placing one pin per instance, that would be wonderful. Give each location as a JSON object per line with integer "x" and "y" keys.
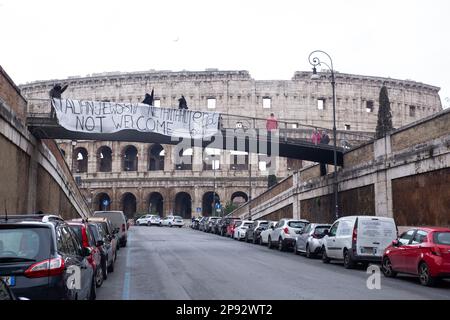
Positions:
{"x": 300, "y": 102}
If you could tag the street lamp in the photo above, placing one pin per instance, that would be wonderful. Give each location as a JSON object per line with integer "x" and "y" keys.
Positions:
{"x": 315, "y": 61}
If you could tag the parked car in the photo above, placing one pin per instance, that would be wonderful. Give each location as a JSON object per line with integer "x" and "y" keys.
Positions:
{"x": 87, "y": 240}
{"x": 424, "y": 252}
{"x": 110, "y": 240}
{"x": 253, "y": 232}
{"x": 358, "y": 239}
{"x": 309, "y": 241}
{"x": 149, "y": 220}
{"x": 195, "y": 222}
{"x": 232, "y": 226}
{"x": 284, "y": 232}
{"x": 240, "y": 231}
{"x": 224, "y": 223}
{"x": 209, "y": 224}
{"x": 38, "y": 255}
{"x": 105, "y": 249}
{"x": 172, "y": 221}
{"x": 265, "y": 232}
{"x": 119, "y": 221}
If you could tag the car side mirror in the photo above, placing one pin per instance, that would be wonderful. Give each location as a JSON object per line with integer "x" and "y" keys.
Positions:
{"x": 272, "y": 227}
{"x": 100, "y": 243}
{"x": 86, "y": 252}
{"x": 396, "y": 243}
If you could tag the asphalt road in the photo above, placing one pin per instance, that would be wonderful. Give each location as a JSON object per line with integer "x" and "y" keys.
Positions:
{"x": 173, "y": 263}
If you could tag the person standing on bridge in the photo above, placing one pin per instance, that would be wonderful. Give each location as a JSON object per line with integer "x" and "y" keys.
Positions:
{"x": 272, "y": 123}
{"x": 182, "y": 104}
{"x": 315, "y": 138}
{"x": 55, "y": 93}
{"x": 324, "y": 138}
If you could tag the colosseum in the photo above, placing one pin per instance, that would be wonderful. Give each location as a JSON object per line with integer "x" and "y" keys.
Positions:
{"x": 142, "y": 177}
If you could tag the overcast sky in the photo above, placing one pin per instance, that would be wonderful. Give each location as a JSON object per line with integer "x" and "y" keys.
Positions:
{"x": 45, "y": 39}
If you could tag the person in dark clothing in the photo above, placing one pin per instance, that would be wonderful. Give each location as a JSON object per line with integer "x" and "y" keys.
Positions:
{"x": 55, "y": 93}
{"x": 148, "y": 99}
{"x": 182, "y": 104}
{"x": 324, "y": 138}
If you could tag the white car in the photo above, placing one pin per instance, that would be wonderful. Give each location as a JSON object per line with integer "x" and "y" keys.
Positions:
{"x": 144, "y": 220}
{"x": 173, "y": 221}
{"x": 284, "y": 233}
{"x": 264, "y": 236}
{"x": 239, "y": 232}
{"x": 358, "y": 239}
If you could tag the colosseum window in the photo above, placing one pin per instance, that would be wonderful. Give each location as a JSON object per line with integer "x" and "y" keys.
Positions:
{"x": 267, "y": 102}
{"x": 211, "y": 103}
{"x": 239, "y": 160}
{"x": 104, "y": 159}
{"x": 156, "y": 158}
{"x": 369, "y": 106}
{"x": 321, "y": 104}
{"x": 157, "y": 103}
{"x": 211, "y": 159}
{"x": 184, "y": 162}
{"x": 80, "y": 157}
{"x": 412, "y": 111}
{"x": 130, "y": 159}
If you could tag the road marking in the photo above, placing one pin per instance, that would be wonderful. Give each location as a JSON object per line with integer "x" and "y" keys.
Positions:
{"x": 127, "y": 275}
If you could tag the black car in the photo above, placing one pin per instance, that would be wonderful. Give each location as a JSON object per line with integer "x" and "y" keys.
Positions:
{"x": 41, "y": 258}
{"x": 209, "y": 225}
{"x": 225, "y": 223}
{"x": 105, "y": 250}
{"x": 254, "y": 232}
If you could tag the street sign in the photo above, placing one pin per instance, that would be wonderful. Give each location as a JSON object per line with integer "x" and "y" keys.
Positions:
{"x": 199, "y": 209}
{"x": 218, "y": 206}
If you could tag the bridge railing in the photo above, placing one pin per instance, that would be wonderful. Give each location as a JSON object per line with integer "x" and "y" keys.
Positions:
{"x": 287, "y": 129}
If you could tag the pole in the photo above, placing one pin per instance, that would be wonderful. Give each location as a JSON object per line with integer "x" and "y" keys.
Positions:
{"x": 335, "y": 189}
{"x": 250, "y": 187}
{"x": 214, "y": 193}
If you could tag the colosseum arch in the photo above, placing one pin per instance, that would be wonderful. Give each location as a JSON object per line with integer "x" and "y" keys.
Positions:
{"x": 239, "y": 160}
{"x": 104, "y": 159}
{"x": 186, "y": 157}
{"x": 129, "y": 204}
{"x": 130, "y": 158}
{"x": 80, "y": 160}
{"x": 239, "y": 197}
{"x": 183, "y": 205}
{"x": 102, "y": 202}
{"x": 156, "y": 203}
{"x": 208, "y": 202}
{"x": 156, "y": 155}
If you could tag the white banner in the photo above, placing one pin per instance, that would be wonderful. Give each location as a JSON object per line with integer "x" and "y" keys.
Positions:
{"x": 109, "y": 117}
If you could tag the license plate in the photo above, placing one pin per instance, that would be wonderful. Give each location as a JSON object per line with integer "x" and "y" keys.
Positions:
{"x": 369, "y": 250}
{"x": 179, "y": 221}
{"x": 9, "y": 280}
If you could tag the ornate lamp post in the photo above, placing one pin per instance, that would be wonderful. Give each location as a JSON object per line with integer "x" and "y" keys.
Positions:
{"x": 315, "y": 61}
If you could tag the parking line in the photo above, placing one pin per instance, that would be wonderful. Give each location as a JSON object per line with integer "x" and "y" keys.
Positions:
{"x": 127, "y": 275}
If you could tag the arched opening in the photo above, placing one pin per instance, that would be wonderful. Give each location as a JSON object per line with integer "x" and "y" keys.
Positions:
{"x": 130, "y": 159}
{"x": 185, "y": 158}
{"x": 102, "y": 202}
{"x": 183, "y": 205}
{"x": 156, "y": 158}
{"x": 239, "y": 160}
{"x": 239, "y": 198}
{"x": 211, "y": 159}
{"x": 104, "y": 159}
{"x": 208, "y": 203}
{"x": 129, "y": 204}
{"x": 80, "y": 160}
{"x": 155, "y": 203}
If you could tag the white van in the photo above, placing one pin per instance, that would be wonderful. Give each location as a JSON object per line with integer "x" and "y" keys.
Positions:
{"x": 118, "y": 221}
{"x": 358, "y": 239}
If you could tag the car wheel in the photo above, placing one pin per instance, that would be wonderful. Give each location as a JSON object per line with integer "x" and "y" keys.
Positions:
{"x": 269, "y": 243}
{"x": 281, "y": 245}
{"x": 308, "y": 252}
{"x": 99, "y": 277}
{"x": 180, "y": 226}
{"x": 349, "y": 263}
{"x": 149, "y": 224}
{"x": 296, "y": 249}
{"x": 424, "y": 275}
{"x": 260, "y": 241}
{"x": 254, "y": 240}
{"x": 170, "y": 225}
{"x": 325, "y": 258}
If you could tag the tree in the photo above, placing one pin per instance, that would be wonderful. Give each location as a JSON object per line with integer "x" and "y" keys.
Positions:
{"x": 229, "y": 207}
{"x": 271, "y": 180}
{"x": 384, "y": 124}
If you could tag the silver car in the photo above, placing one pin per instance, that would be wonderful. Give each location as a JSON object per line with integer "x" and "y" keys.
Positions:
{"x": 309, "y": 241}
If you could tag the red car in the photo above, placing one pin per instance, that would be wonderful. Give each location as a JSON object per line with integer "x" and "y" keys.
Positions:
{"x": 85, "y": 236}
{"x": 424, "y": 252}
{"x": 231, "y": 226}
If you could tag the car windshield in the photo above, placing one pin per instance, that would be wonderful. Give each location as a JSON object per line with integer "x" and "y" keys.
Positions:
{"x": 25, "y": 244}
{"x": 297, "y": 224}
{"x": 178, "y": 217}
{"x": 442, "y": 238}
{"x": 238, "y": 223}
{"x": 264, "y": 224}
{"x": 248, "y": 224}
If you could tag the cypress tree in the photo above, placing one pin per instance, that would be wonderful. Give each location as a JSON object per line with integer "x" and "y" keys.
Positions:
{"x": 384, "y": 124}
